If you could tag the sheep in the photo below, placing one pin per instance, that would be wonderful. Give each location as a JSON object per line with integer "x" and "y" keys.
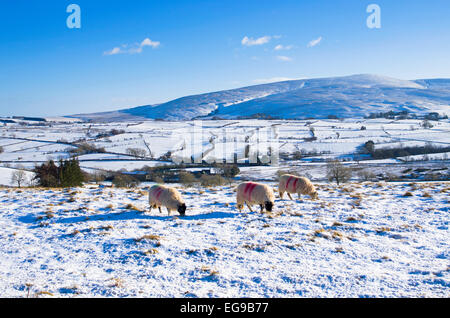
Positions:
{"x": 168, "y": 197}
{"x": 293, "y": 184}
{"x": 252, "y": 193}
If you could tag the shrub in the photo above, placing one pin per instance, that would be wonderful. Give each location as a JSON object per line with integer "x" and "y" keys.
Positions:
{"x": 228, "y": 170}
{"x": 125, "y": 181}
{"x": 187, "y": 178}
{"x": 366, "y": 175}
{"x": 369, "y": 147}
{"x": 212, "y": 180}
{"x": 426, "y": 124}
{"x": 338, "y": 172}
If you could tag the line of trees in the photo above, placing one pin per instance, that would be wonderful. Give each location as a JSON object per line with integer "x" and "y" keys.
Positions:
{"x": 402, "y": 151}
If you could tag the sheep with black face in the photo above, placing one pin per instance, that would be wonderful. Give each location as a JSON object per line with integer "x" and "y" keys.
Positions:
{"x": 170, "y": 198}
{"x": 252, "y": 193}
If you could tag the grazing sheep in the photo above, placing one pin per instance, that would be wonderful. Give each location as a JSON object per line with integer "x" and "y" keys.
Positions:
{"x": 168, "y": 197}
{"x": 300, "y": 185}
{"x": 252, "y": 193}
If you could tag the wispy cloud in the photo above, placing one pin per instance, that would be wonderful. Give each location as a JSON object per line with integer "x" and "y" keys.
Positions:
{"x": 315, "y": 42}
{"x": 281, "y": 47}
{"x": 284, "y": 58}
{"x": 246, "y": 41}
{"x": 134, "y": 48}
{"x": 113, "y": 51}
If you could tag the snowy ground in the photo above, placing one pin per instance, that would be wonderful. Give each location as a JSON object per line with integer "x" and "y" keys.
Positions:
{"x": 357, "y": 240}
{"x": 29, "y": 145}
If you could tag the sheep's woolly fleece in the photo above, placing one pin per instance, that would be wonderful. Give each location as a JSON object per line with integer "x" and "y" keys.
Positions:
{"x": 293, "y": 184}
{"x": 164, "y": 196}
{"x": 254, "y": 193}
{"x": 358, "y": 240}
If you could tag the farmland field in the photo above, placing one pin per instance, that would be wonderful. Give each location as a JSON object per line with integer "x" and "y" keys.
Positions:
{"x": 359, "y": 239}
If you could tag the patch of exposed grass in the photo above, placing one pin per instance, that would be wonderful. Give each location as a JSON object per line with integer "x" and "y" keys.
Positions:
{"x": 130, "y": 206}
{"x": 151, "y": 237}
{"x": 151, "y": 251}
{"x": 43, "y": 292}
{"x": 382, "y": 230}
{"x": 117, "y": 282}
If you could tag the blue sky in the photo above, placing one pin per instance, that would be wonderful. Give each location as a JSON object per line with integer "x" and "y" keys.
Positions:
{"x": 172, "y": 48}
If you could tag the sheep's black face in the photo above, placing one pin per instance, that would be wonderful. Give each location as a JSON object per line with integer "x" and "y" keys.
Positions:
{"x": 268, "y": 205}
{"x": 182, "y": 209}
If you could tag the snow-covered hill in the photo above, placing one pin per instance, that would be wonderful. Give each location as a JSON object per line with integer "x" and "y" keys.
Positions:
{"x": 346, "y": 97}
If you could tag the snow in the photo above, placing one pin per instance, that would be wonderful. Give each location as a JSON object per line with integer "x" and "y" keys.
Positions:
{"x": 6, "y": 175}
{"x": 345, "y": 97}
{"x": 357, "y": 240}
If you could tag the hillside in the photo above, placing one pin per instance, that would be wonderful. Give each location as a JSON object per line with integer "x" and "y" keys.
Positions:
{"x": 345, "y": 97}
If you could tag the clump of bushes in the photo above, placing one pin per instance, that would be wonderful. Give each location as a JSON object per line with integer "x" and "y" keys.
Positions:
{"x": 366, "y": 175}
{"x": 187, "y": 179}
{"x": 85, "y": 148}
{"x": 125, "y": 181}
{"x": 212, "y": 180}
{"x": 67, "y": 174}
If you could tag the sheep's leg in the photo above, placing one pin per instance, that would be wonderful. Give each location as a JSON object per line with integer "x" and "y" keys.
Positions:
{"x": 240, "y": 207}
{"x": 299, "y": 196}
{"x": 249, "y": 207}
{"x": 168, "y": 211}
{"x": 281, "y": 194}
{"x": 159, "y": 208}
{"x": 289, "y": 195}
{"x": 262, "y": 208}
{"x": 150, "y": 209}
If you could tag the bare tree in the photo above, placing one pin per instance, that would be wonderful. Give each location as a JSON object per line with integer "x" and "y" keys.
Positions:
{"x": 338, "y": 172}
{"x": 137, "y": 152}
{"x": 18, "y": 177}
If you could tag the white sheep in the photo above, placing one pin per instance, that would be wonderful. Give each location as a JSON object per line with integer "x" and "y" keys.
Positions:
{"x": 293, "y": 184}
{"x": 170, "y": 198}
{"x": 252, "y": 193}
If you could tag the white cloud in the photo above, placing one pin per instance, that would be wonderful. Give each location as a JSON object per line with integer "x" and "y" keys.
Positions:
{"x": 259, "y": 41}
{"x": 315, "y": 42}
{"x": 148, "y": 42}
{"x": 114, "y": 51}
{"x": 284, "y": 58}
{"x": 272, "y": 80}
{"x": 281, "y": 47}
{"x": 136, "y": 48}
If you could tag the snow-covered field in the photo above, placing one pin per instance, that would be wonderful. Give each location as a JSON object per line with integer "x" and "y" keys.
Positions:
{"x": 362, "y": 239}
{"x": 357, "y": 240}
{"x": 319, "y": 139}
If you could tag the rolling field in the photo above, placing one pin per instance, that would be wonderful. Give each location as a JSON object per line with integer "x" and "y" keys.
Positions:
{"x": 358, "y": 240}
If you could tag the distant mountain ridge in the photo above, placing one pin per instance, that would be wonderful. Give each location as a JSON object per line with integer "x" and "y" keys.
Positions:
{"x": 345, "y": 97}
